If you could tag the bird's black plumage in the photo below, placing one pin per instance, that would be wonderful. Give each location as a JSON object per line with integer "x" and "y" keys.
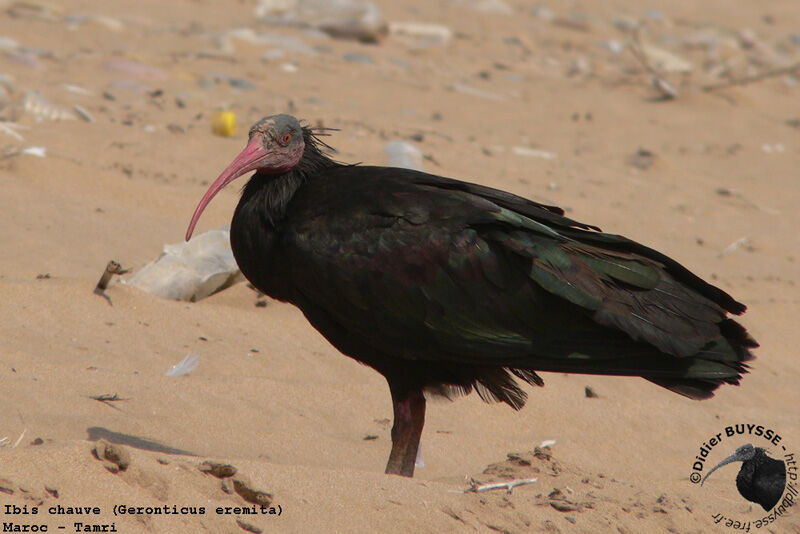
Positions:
{"x": 447, "y": 286}
{"x": 761, "y": 479}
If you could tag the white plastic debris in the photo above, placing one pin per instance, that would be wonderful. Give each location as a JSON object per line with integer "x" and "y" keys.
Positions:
{"x": 37, "y": 106}
{"x": 421, "y": 34}
{"x": 419, "y": 462}
{"x": 488, "y": 6}
{"x": 403, "y": 155}
{"x": 185, "y": 366}
{"x": 546, "y": 444}
{"x": 343, "y": 19}
{"x": 532, "y": 152}
{"x": 190, "y": 271}
{"x": 666, "y": 61}
{"x": 38, "y": 151}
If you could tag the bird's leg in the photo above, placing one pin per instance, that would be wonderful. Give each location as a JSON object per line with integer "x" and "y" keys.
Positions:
{"x": 409, "y": 418}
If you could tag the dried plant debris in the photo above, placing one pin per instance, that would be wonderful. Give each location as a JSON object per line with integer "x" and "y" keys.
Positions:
{"x": 107, "y": 399}
{"x": 244, "y": 488}
{"x": 115, "y": 457}
{"x": 217, "y": 469}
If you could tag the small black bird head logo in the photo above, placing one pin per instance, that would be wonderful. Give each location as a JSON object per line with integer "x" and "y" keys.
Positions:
{"x": 761, "y": 479}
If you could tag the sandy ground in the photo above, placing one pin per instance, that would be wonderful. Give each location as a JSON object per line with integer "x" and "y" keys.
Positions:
{"x": 298, "y": 420}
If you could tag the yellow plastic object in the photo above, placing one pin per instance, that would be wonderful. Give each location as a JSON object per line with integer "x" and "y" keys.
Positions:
{"x": 224, "y": 123}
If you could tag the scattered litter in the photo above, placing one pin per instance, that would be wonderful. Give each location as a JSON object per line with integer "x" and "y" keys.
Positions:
{"x": 733, "y": 247}
{"x": 403, "y": 155}
{"x": 223, "y": 123}
{"x": 342, "y": 19}
{"x": 357, "y": 57}
{"x": 10, "y": 128}
{"x": 38, "y": 151}
{"x": 190, "y": 270}
{"x": 135, "y": 69}
{"x": 14, "y": 446}
{"x": 664, "y": 60}
{"x": 532, "y": 152}
{"x": 82, "y": 113}
{"x": 508, "y": 486}
{"x": 77, "y": 89}
{"x": 667, "y": 90}
{"x": 546, "y": 444}
{"x": 37, "y": 106}
{"x": 225, "y": 41}
{"x": 185, "y": 366}
{"x": 241, "y": 83}
{"x": 792, "y": 69}
{"x": 488, "y": 6}
{"x": 422, "y": 34}
{"x": 777, "y": 148}
{"x": 472, "y": 91}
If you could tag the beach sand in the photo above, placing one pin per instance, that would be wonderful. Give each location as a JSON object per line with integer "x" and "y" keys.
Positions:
{"x": 535, "y": 102}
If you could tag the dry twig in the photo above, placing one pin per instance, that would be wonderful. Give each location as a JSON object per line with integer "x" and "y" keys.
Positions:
{"x": 791, "y": 69}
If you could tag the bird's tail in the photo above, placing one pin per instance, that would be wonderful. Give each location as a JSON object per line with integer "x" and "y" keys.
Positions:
{"x": 723, "y": 361}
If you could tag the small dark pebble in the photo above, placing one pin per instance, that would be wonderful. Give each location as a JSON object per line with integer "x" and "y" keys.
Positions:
{"x": 570, "y": 519}
{"x": 180, "y": 103}
{"x": 370, "y": 437}
{"x": 357, "y": 57}
{"x": 241, "y": 83}
{"x": 589, "y": 392}
{"x": 261, "y": 304}
{"x": 643, "y": 159}
{"x": 45, "y": 276}
{"x": 109, "y": 96}
{"x": 418, "y": 137}
{"x": 37, "y": 441}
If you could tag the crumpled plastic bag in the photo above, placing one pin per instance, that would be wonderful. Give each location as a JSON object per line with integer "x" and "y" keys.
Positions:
{"x": 190, "y": 270}
{"x": 342, "y": 19}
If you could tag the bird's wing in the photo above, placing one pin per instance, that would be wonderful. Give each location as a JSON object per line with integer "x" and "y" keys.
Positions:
{"x": 443, "y": 270}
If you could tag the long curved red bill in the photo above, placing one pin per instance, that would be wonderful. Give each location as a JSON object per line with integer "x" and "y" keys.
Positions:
{"x": 248, "y": 160}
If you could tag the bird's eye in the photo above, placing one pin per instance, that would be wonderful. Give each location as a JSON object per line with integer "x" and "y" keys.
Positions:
{"x": 286, "y": 138}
